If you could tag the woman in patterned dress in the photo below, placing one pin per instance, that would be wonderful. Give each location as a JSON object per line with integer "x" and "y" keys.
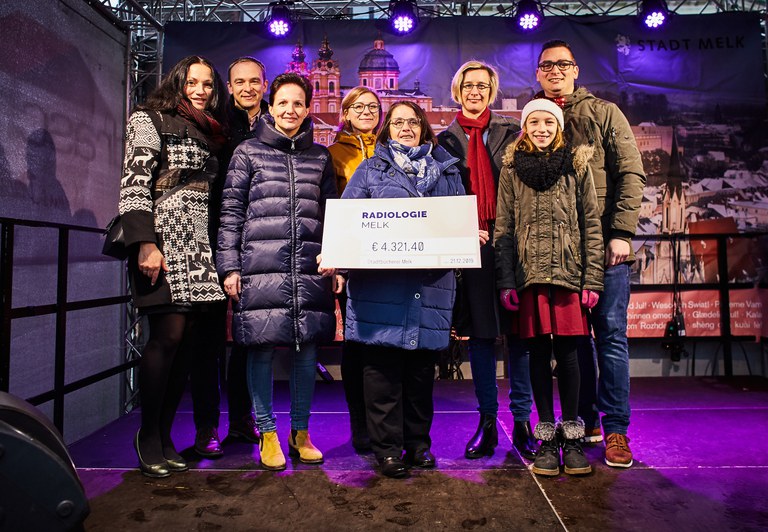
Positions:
{"x": 170, "y": 163}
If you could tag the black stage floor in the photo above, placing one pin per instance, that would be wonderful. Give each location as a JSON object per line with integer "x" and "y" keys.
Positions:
{"x": 700, "y": 464}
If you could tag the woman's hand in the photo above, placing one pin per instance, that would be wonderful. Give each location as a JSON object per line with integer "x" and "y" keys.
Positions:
{"x": 509, "y": 299}
{"x": 232, "y": 285}
{"x": 325, "y": 272}
{"x": 338, "y": 284}
{"x": 589, "y": 298}
{"x": 484, "y": 237}
{"x": 151, "y": 261}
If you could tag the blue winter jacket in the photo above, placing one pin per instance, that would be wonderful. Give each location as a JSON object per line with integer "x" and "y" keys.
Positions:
{"x": 408, "y": 309}
{"x": 271, "y": 232}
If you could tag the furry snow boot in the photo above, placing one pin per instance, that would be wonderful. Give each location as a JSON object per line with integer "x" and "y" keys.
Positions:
{"x": 574, "y": 461}
{"x": 547, "y": 461}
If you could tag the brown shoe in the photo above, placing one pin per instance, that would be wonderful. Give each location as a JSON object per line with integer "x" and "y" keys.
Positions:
{"x": 593, "y": 435}
{"x": 617, "y": 453}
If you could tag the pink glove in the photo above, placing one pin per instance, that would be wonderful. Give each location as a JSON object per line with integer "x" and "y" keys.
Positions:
{"x": 589, "y": 298}
{"x": 509, "y": 299}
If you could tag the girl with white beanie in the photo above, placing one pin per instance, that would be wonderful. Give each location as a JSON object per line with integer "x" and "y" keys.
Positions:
{"x": 549, "y": 262}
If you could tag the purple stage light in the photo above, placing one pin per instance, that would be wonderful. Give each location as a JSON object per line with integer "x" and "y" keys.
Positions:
{"x": 402, "y": 24}
{"x": 654, "y": 13}
{"x": 655, "y": 19}
{"x": 279, "y": 28}
{"x": 403, "y": 16}
{"x": 528, "y": 14}
{"x": 528, "y": 21}
{"x": 279, "y": 21}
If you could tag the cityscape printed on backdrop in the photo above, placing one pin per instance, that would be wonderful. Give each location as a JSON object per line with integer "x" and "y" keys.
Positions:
{"x": 705, "y": 174}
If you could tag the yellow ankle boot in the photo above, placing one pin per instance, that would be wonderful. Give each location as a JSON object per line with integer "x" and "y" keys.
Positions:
{"x": 271, "y": 454}
{"x": 300, "y": 445}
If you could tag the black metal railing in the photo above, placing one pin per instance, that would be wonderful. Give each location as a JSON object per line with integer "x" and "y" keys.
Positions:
{"x": 60, "y": 308}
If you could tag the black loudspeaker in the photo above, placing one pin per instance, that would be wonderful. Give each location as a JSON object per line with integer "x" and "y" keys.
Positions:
{"x": 39, "y": 486}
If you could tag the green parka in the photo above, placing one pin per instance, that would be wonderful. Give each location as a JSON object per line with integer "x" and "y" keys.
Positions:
{"x": 549, "y": 237}
{"x": 617, "y": 168}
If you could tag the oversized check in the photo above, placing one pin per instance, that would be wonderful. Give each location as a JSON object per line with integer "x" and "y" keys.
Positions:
{"x": 397, "y": 233}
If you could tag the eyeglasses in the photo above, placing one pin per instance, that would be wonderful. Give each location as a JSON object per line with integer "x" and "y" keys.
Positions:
{"x": 562, "y": 65}
{"x": 413, "y": 123}
{"x": 481, "y": 87}
{"x": 360, "y": 107}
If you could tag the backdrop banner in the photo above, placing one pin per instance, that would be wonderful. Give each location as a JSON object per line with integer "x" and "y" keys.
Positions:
{"x": 693, "y": 92}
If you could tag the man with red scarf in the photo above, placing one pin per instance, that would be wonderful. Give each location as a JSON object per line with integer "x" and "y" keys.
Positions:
{"x": 478, "y": 137}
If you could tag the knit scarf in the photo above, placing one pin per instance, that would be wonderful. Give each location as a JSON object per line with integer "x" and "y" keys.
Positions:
{"x": 417, "y": 163}
{"x": 205, "y": 123}
{"x": 481, "y": 181}
{"x": 540, "y": 169}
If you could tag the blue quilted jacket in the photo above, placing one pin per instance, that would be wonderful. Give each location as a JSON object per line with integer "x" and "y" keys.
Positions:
{"x": 408, "y": 309}
{"x": 271, "y": 232}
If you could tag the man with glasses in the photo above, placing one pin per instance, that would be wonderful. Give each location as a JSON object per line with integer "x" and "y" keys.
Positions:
{"x": 478, "y": 137}
{"x": 619, "y": 179}
{"x": 247, "y": 83}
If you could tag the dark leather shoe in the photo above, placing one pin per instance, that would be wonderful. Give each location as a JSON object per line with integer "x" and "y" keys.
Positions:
{"x": 523, "y": 440}
{"x": 393, "y": 467}
{"x": 423, "y": 459}
{"x": 484, "y": 440}
{"x": 207, "y": 443}
{"x": 245, "y": 429}
{"x": 150, "y": 470}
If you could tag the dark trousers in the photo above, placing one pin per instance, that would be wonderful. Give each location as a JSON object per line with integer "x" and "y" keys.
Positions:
{"x": 568, "y": 379}
{"x": 398, "y": 387}
{"x": 238, "y": 396}
{"x": 352, "y": 369}
{"x": 205, "y": 374}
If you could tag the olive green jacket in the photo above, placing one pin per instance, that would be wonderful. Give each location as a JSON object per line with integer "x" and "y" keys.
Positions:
{"x": 549, "y": 237}
{"x": 617, "y": 168}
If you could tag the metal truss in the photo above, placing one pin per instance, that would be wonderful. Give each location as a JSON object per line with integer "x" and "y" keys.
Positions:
{"x": 164, "y": 11}
{"x": 147, "y": 18}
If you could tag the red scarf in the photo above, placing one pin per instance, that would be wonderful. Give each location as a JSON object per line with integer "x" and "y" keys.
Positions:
{"x": 481, "y": 181}
{"x": 204, "y": 122}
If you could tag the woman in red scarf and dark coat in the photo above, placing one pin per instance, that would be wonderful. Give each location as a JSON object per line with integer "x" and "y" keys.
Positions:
{"x": 478, "y": 137}
{"x": 170, "y": 163}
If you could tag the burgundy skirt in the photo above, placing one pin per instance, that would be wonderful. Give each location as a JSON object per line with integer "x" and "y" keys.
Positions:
{"x": 548, "y": 309}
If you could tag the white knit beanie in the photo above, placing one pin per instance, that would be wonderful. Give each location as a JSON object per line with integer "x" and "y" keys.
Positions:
{"x": 542, "y": 104}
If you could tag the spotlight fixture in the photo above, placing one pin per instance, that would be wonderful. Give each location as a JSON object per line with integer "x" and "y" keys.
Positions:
{"x": 528, "y": 14}
{"x": 654, "y": 13}
{"x": 279, "y": 20}
{"x": 403, "y": 16}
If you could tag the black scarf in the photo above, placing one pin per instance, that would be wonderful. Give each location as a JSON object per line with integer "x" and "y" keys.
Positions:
{"x": 540, "y": 169}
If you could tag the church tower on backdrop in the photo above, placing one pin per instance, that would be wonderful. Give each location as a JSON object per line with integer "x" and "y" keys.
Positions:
{"x": 325, "y": 77}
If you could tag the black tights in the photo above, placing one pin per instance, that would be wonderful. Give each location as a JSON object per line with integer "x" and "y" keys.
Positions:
{"x": 163, "y": 373}
{"x": 568, "y": 377}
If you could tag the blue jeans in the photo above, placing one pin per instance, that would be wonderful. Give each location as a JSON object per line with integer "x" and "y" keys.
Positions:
{"x": 609, "y": 321}
{"x": 482, "y": 360}
{"x": 301, "y": 384}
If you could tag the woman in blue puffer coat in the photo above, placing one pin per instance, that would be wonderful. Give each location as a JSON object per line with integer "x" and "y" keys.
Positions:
{"x": 269, "y": 240}
{"x": 399, "y": 319}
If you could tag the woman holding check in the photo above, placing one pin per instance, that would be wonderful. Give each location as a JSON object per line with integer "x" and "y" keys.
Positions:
{"x": 399, "y": 319}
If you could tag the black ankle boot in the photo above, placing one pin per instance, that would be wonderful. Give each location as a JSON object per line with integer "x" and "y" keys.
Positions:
{"x": 485, "y": 439}
{"x": 574, "y": 461}
{"x": 547, "y": 461}
{"x": 523, "y": 440}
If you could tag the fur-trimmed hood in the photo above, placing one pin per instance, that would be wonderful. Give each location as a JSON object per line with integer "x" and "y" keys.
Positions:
{"x": 581, "y": 157}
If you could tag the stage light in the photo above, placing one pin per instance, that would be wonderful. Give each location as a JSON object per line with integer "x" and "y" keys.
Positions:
{"x": 403, "y": 16}
{"x": 654, "y": 13}
{"x": 279, "y": 20}
{"x": 528, "y": 14}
